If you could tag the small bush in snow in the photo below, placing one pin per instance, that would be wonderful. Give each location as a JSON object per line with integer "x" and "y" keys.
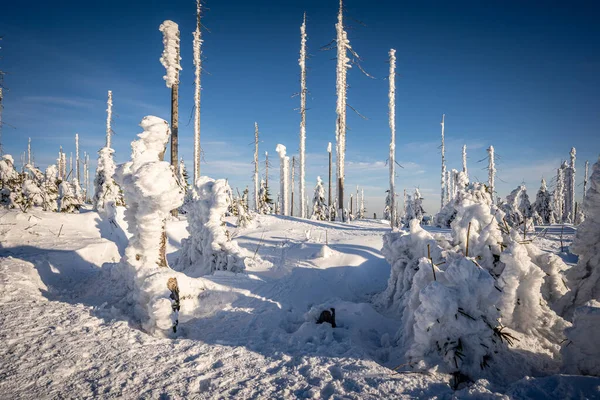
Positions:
{"x": 319, "y": 207}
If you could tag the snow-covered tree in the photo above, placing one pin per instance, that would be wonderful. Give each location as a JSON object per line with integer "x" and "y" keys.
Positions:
{"x": 543, "y": 204}
{"x": 10, "y": 182}
{"x": 67, "y": 202}
{"x": 418, "y": 206}
{"x": 209, "y": 247}
{"x": 456, "y": 297}
{"x": 107, "y": 193}
{"x": 559, "y": 196}
{"x": 319, "y": 207}
{"x": 50, "y": 187}
{"x": 170, "y": 59}
{"x": 444, "y": 193}
{"x": 197, "y": 88}
{"x": 303, "y": 92}
{"x": 464, "y": 162}
{"x": 387, "y": 209}
{"x": 151, "y": 191}
{"x": 569, "y": 182}
{"x": 584, "y": 278}
{"x": 255, "y": 181}
{"x": 243, "y": 210}
{"x": 392, "y": 122}
{"x": 518, "y": 207}
{"x": 264, "y": 200}
{"x": 491, "y": 172}
{"x": 283, "y": 179}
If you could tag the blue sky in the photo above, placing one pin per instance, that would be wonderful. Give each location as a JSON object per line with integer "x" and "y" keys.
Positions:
{"x": 521, "y": 77}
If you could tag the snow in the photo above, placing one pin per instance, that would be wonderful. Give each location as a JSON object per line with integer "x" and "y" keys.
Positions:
{"x": 67, "y": 321}
{"x": 171, "y": 56}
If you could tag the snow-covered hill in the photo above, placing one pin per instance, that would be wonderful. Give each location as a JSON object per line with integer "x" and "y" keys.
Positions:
{"x": 67, "y": 330}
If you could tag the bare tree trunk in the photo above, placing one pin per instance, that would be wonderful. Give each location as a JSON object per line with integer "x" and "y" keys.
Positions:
{"x": 198, "y": 64}
{"x": 256, "y": 166}
{"x": 302, "y": 119}
{"x": 443, "y": 180}
{"x": 174, "y": 132}
{"x": 329, "y": 201}
{"x": 392, "y": 115}
{"x": 76, "y": 159}
{"x": 292, "y": 187}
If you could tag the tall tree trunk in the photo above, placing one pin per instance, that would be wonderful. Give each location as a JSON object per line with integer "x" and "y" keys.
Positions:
{"x": 392, "y": 115}
{"x": 256, "y": 167}
{"x": 329, "y": 198}
{"x": 444, "y": 194}
{"x": 302, "y": 118}
{"x": 197, "y": 90}
{"x": 175, "y": 132}
{"x": 292, "y": 186}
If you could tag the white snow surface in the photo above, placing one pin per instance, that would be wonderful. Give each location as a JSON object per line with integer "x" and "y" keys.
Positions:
{"x": 68, "y": 329}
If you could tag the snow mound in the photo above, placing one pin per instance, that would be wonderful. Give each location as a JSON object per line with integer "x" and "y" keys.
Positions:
{"x": 325, "y": 252}
{"x": 581, "y": 353}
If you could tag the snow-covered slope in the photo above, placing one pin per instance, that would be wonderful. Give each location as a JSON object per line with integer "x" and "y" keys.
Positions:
{"x": 67, "y": 331}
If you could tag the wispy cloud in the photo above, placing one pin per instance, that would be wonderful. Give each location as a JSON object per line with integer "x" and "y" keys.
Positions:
{"x": 73, "y": 102}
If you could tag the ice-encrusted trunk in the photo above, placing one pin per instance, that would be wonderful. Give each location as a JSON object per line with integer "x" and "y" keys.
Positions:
{"x": 77, "y": 175}
{"x": 464, "y": 161}
{"x": 585, "y": 178}
{"x": 197, "y": 88}
{"x": 256, "y": 188}
{"x": 292, "y": 185}
{"x": 404, "y": 205}
{"x": 170, "y": 59}
{"x": 443, "y": 178}
{"x": 570, "y": 188}
{"x": 329, "y": 198}
{"x": 85, "y": 177}
{"x": 559, "y": 196}
{"x": 392, "y": 117}
{"x": 109, "y": 104}
{"x": 29, "y": 151}
{"x": 283, "y": 178}
{"x": 303, "y": 92}
{"x": 491, "y": 172}
{"x": 362, "y": 203}
{"x": 343, "y": 45}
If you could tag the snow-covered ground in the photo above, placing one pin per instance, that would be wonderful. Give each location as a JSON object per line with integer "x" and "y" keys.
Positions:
{"x": 66, "y": 331}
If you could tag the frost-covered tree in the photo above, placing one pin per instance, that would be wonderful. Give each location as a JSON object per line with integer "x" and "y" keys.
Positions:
{"x": 170, "y": 59}
{"x": 303, "y": 92}
{"x": 197, "y": 89}
{"x": 392, "y": 122}
{"x": 264, "y": 200}
{"x": 283, "y": 179}
{"x": 387, "y": 210}
{"x": 10, "y": 182}
{"x": 50, "y": 189}
{"x": 491, "y": 172}
{"x": 151, "y": 191}
{"x": 584, "y": 278}
{"x": 569, "y": 182}
{"x": 463, "y": 301}
{"x": 319, "y": 207}
{"x": 418, "y": 206}
{"x": 464, "y": 162}
{"x": 543, "y": 204}
{"x": 444, "y": 192}
{"x": 107, "y": 193}
{"x": 209, "y": 247}
{"x": 255, "y": 181}
{"x": 363, "y": 210}
{"x": 559, "y": 196}
{"x": 67, "y": 202}
{"x": 518, "y": 207}
{"x": 243, "y": 210}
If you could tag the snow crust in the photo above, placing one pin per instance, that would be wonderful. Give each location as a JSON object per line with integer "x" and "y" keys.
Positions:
{"x": 171, "y": 54}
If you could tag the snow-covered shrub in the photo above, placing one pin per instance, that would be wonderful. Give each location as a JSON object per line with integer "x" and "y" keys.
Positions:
{"x": 319, "y": 208}
{"x": 471, "y": 193}
{"x": 387, "y": 210}
{"x": 108, "y": 194}
{"x": 32, "y": 195}
{"x": 584, "y": 278}
{"x": 50, "y": 189}
{"x": 10, "y": 182}
{"x": 67, "y": 202}
{"x": 243, "y": 210}
{"x": 517, "y": 208}
{"x": 264, "y": 199}
{"x": 208, "y": 247}
{"x": 484, "y": 280}
{"x": 151, "y": 191}
{"x": 543, "y": 206}
{"x": 581, "y": 353}
{"x": 417, "y": 205}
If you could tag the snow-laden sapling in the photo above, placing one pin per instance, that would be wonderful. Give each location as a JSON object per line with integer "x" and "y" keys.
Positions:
{"x": 319, "y": 207}
{"x": 208, "y": 247}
